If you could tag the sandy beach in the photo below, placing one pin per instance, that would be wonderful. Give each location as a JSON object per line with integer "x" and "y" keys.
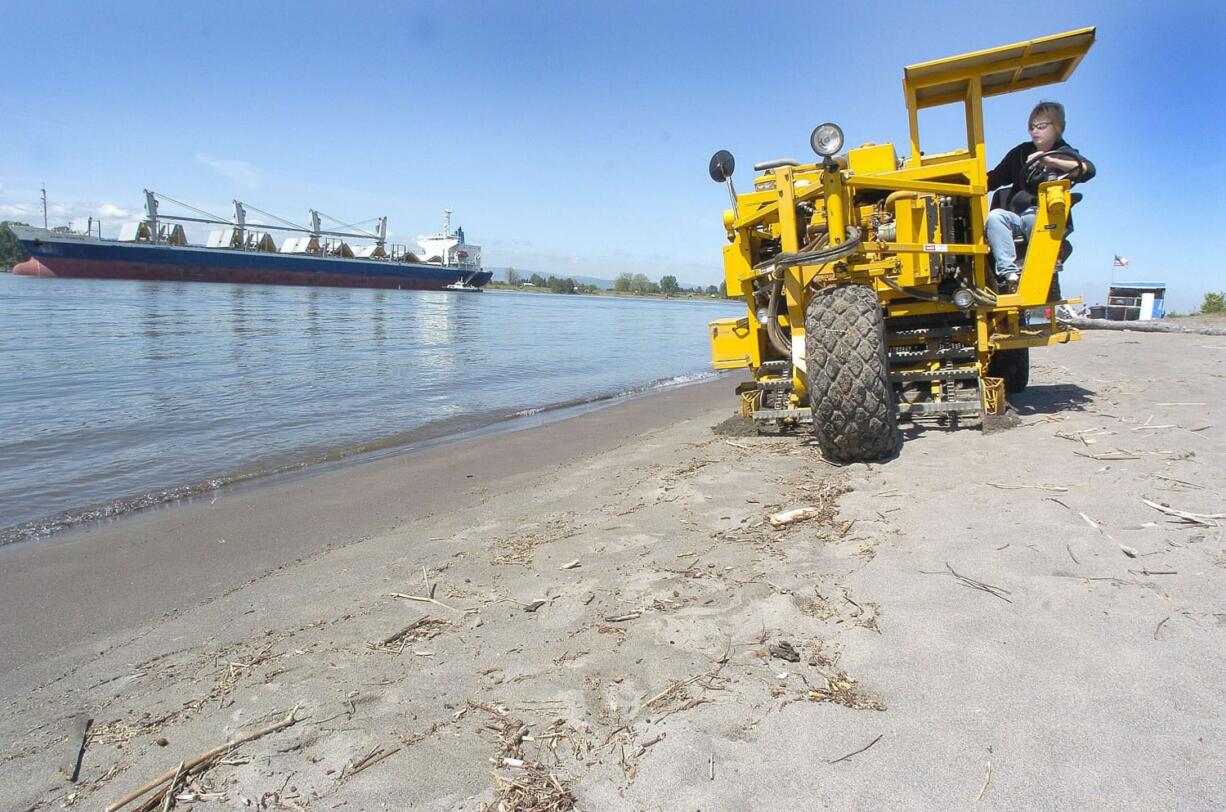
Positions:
{"x": 599, "y": 611}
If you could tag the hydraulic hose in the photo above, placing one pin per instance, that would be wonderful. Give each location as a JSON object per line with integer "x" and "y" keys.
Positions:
{"x": 780, "y": 340}
{"x": 774, "y": 333}
{"x": 821, "y": 256}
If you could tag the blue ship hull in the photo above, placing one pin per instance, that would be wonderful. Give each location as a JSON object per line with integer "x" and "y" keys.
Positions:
{"x": 84, "y": 258}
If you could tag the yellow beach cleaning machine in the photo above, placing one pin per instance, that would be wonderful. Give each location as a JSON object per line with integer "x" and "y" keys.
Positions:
{"x": 867, "y": 279}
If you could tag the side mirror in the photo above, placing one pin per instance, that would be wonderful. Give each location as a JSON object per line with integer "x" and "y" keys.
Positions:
{"x": 722, "y": 164}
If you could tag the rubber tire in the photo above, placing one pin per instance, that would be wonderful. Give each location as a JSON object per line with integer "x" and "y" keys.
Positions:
{"x": 855, "y": 416}
{"x": 1013, "y": 366}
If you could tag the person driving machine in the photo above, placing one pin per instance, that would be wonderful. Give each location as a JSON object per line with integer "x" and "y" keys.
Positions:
{"x": 1046, "y": 156}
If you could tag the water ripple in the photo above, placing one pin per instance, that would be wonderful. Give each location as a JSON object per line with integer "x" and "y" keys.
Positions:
{"x": 121, "y": 395}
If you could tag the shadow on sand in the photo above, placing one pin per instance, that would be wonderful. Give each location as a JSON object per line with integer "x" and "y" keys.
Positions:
{"x": 1036, "y": 400}
{"x": 1051, "y": 399}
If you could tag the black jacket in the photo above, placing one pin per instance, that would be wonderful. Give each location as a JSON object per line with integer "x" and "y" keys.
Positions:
{"x": 1012, "y": 170}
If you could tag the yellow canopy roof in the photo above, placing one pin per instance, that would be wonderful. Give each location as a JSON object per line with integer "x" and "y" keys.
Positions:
{"x": 1023, "y": 65}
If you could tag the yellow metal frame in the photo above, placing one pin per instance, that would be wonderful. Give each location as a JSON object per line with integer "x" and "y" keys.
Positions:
{"x": 829, "y": 190}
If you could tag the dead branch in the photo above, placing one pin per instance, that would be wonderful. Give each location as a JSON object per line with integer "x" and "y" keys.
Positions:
{"x": 192, "y": 763}
{"x": 1205, "y": 519}
{"x": 424, "y": 599}
{"x": 856, "y": 752}
{"x": 398, "y": 636}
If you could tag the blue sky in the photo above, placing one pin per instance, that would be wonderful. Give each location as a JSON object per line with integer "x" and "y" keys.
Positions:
{"x": 573, "y": 138}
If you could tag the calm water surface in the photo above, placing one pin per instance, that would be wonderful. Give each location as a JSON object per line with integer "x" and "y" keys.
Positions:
{"x": 117, "y": 395}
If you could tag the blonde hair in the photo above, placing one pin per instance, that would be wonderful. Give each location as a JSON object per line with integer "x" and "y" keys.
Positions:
{"x": 1051, "y": 109}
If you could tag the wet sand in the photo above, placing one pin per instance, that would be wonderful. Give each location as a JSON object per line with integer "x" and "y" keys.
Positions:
{"x": 1000, "y": 618}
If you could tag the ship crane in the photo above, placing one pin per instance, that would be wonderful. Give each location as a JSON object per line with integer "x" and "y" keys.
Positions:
{"x": 239, "y": 221}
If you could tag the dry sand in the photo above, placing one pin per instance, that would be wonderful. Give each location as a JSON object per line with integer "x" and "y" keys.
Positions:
{"x": 1076, "y": 663}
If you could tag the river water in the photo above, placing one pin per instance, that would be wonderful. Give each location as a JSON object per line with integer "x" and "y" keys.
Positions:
{"x": 119, "y": 395}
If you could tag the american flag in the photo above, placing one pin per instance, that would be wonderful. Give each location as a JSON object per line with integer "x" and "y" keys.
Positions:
{"x": 1120, "y": 262}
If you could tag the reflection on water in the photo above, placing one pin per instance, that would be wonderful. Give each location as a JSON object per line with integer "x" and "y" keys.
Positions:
{"x": 112, "y": 389}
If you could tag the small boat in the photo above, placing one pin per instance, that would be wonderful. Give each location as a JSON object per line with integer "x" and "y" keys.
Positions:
{"x": 463, "y": 285}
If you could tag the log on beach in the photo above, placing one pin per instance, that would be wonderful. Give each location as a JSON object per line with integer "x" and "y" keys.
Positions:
{"x": 1142, "y": 326}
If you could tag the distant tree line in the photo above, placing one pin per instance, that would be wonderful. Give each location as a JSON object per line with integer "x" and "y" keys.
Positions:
{"x": 624, "y": 283}
{"x": 11, "y": 251}
{"x": 554, "y": 284}
{"x": 639, "y": 283}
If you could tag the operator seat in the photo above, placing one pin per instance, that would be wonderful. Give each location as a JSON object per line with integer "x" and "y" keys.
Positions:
{"x": 1000, "y": 197}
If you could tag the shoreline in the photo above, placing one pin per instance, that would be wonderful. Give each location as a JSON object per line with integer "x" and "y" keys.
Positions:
{"x": 80, "y": 562}
{"x": 1000, "y": 619}
{"x": 309, "y": 462}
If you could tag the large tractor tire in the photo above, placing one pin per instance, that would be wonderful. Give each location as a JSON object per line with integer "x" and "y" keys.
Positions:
{"x": 1013, "y": 366}
{"x": 855, "y": 416}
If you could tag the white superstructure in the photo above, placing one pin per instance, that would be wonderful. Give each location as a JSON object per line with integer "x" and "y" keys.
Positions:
{"x": 449, "y": 248}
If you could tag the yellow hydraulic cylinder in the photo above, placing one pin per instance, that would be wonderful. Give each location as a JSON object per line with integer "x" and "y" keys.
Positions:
{"x": 836, "y": 206}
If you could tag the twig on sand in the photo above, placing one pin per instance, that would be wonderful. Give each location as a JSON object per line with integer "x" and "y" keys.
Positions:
{"x": 78, "y": 737}
{"x": 987, "y": 779}
{"x": 1154, "y": 572}
{"x": 671, "y": 689}
{"x": 1070, "y": 554}
{"x": 189, "y": 765}
{"x": 1109, "y": 456}
{"x": 1052, "y": 488}
{"x": 1206, "y": 519}
{"x": 856, "y": 752}
{"x": 711, "y": 773}
{"x": 995, "y": 591}
{"x": 170, "y": 789}
{"x": 374, "y": 758}
{"x": 392, "y": 639}
{"x": 490, "y": 709}
{"x": 423, "y": 599}
{"x": 1084, "y": 517}
{"x": 1185, "y": 483}
{"x": 1161, "y": 623}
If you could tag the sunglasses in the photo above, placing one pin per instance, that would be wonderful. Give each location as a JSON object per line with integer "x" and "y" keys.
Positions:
{"x": 1040, "y": 125}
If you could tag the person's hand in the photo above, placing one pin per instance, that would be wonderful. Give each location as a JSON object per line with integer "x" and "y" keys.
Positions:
{"x": 1036, "y": 156}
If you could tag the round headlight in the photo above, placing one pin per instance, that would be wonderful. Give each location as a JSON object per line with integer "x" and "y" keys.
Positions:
{"x": 826, "y": 140}
{"x": 963, "y": 298}
{"x": 762, "y": 315}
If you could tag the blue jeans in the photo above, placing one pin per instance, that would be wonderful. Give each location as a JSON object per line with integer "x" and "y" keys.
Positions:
{"x": 1002, "y": 227}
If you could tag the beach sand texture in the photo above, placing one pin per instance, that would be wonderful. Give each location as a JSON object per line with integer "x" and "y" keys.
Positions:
{"x": 999, "y": 617}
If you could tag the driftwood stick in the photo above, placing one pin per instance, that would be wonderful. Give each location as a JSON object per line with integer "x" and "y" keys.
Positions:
{"x": 422, "y": 599}
{"x": 987, "y": 779}
{"x": 856, "y": 752}
{"x": 170, "y": 788}
{"x": 78, "y": 735}
{"x": 189, "y": 764}
{"x": 372, "y": 760}
{"x": 1206, "y": 519}
{"x": 395, "y": 638}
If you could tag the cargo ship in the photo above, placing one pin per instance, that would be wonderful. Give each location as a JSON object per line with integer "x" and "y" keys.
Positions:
{"x": 246, "y": 252}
